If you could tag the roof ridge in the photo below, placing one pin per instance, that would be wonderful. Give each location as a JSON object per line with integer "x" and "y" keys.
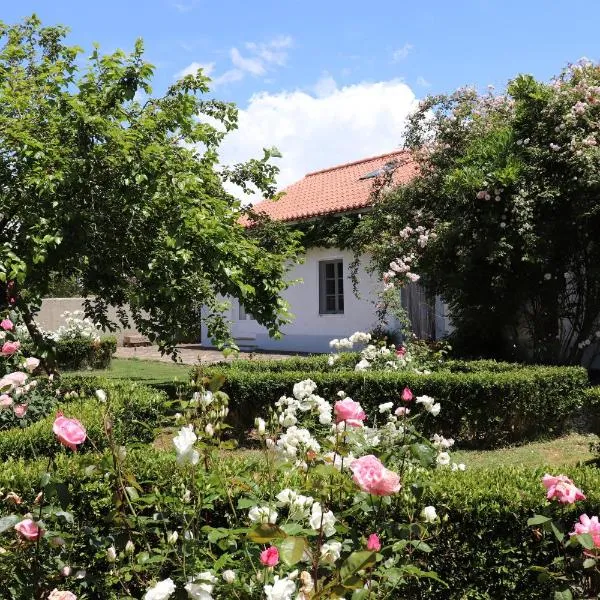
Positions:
{"x": 356, "y": 162}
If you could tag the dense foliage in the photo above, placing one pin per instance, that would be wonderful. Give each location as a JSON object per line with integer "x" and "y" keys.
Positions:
{"x": 503, "y": 219}
{"x": 103, "y": 182}
{"x": 489, "y": 408}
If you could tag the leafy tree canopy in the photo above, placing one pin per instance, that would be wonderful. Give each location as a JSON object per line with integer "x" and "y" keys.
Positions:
{"x": 503, "y": 219}
{"x": 121, "y": 190}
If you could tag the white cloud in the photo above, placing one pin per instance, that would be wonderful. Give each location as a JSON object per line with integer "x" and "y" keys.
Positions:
{"x": 260, "y": 58}
{"x": 318, "y": 130}
{"x": 422, "y": 81}
{"x": 253, "y": 66}
{"x": 184, "y": 7}
{"x": 402, "y": 53}
{"x": 191, "y": 69}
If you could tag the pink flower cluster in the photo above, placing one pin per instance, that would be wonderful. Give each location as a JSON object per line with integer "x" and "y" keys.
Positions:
{"x": 562, "y": 489}
{"x": 371, "y": 476}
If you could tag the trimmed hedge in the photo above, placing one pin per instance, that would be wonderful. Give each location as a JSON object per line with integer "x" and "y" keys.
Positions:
{"x": 480, "y": 409}
{"x": 137, "y": 411}
{"x": 483, "y": 549}
{"x": 348, "y": 360}
{"x": 74, "y": 355}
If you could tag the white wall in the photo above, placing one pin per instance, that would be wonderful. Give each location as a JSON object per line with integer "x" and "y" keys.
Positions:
{"x": 311, "y": 331}
{"x": 50, "y": 319}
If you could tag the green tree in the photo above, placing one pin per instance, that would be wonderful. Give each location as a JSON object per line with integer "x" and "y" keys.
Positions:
{"x": 503, "y": 220}
{"x": 103, "y": 183}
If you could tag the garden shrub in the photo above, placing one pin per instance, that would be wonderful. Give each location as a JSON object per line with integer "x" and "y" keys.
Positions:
{"x": 81, "y": 353}
{"x": 481, "y": 409}
{"x": 137, "y": 410}
{"x": 483, "y": 549}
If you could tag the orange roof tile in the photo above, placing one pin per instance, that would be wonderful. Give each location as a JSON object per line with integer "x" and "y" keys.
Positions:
{"x": 336, "y": 189}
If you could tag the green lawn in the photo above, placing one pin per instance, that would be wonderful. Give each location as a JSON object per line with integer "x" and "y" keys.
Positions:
{"x": 142, "y": 371}
{"x": 568, "y": 450}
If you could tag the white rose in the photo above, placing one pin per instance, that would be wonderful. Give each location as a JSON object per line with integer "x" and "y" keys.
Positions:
{"x": 101, "y": 395}
{"x": 260, "y": 425}
{"x": 229, "y": 576}
{"x": 111, "y": 554}
{"x": 429, "y": 514}
{"x": 330, "y": 551}
{"x": 443, "y": 458}
{"x": 282, "y": 589}
{"x": 184, "y": 446}
{"x": 161, "y": 591}
{"x": 172, "y": 537}
{"x": 386, "y": 407}
{"x": 201, "y": 586}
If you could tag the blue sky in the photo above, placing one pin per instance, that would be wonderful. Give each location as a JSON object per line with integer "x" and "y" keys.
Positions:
{"x": 308, "y": 71}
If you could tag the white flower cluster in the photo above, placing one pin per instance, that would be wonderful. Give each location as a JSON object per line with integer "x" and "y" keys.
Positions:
{"x": 304, "y": 400}
{"x": 358, "y": 337}
{"x": 76, "y": 327}
{"x": 429, "y": 404}
{"x": 298, "y": 505}
{"x": 294, "y": 439}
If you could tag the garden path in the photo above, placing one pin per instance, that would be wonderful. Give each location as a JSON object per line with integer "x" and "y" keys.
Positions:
{"x": 191, "y": 354}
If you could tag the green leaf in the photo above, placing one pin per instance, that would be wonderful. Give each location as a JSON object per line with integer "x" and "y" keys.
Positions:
{"x": 538, "y": 520}
{"x": 589, "y": 563}
{"x": 291, "y": 550}
{"x": 420, "y": 545}
{"x": 563, "y": 595}
{"x": 357, "y": 561}
{"x": 265, "y": 533}
{"x": 67, "y": 516}
{"x": 8, "y": 522}
{"x": 586, "y": 540}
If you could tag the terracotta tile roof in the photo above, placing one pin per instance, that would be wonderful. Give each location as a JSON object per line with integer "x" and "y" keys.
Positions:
{"x": 336, "y": 189}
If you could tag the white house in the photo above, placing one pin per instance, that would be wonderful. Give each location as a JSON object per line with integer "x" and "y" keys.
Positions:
{"x": 324, "y": 304}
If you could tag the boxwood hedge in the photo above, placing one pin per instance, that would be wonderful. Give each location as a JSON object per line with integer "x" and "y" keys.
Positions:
{"x": 483, "y": 548}
{"x": 481, "y": 408}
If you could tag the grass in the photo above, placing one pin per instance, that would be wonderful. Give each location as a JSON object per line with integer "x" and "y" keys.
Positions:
{"x": 568, "y": 450}
{"x": 142, "y": 371}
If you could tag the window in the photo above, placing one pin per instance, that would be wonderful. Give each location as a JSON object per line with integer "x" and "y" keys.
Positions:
{"x": 331, "y": 287}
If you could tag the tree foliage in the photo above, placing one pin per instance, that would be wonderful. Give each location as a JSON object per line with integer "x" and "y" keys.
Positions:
{"x": 121, "y": 190}
{"x": 503, "y": 220}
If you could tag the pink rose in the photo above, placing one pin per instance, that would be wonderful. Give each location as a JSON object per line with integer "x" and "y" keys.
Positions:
{"x": 32, "y": 363}
{"x": 16, "y": 378}
{"x": 20, "y": 410}
{"x": 591, "y": 526}
{"x": 400, "y": 352}
{"x": 61, "y": 595}
{"x": 374, "y": 543}
{"x": 407, "y": 394}
{"x": 6, "y": 324}
{"x": 402, "y": 411}
{"x": 349, "y": 411}
{"x": 29, "y": 530}
{"x": 270, "y": 556}
{"x": 371, "y": 476}
{"x": 70, "y": 432}
{"x": 10, "y": 348}
{"x": 561, "y": 488}
{"x": 5, "y": 401}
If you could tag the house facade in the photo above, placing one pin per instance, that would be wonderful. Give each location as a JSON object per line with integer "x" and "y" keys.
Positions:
{"x": 324, "y": 302}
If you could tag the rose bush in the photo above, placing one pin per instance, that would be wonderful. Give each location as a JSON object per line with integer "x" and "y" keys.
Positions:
{"x": 298, "y": 525}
